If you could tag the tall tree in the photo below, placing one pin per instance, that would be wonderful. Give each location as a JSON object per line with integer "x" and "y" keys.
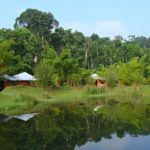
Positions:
{"x": 40, "y": 23}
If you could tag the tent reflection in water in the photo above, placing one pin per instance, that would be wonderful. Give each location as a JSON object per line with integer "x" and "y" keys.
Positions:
{"x": 23, "y": 78}
{"x": 99, "y": 81}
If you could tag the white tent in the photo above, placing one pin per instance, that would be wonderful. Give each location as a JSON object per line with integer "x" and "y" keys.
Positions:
{"x": 24, "y": 76}
{"x": 96, "y": 77}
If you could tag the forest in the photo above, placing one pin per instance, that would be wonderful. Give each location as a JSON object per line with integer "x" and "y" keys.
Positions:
{"x": 40, "y": 46}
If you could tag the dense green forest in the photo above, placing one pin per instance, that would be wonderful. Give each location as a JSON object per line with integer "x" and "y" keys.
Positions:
{"x": 38, "y": 45}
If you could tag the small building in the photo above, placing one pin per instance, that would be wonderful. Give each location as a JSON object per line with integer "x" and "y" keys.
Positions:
{"x": 23, "y": 78}
{"x": 1, "y": 85}
{"x": 99, "y": 81}
{"x": 5, "y": 81}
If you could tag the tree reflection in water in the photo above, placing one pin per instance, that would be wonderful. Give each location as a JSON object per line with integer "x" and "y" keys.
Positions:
{"x": 65, "y": 127}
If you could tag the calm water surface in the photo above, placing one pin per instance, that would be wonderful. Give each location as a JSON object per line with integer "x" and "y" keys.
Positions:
{"x": 78, "y": 127}
{"x": 116, "y": 143}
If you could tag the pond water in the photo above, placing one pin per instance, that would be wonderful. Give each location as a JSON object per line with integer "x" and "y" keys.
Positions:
{"x": 78, "y": 127}
{"x": 116, "y": 143}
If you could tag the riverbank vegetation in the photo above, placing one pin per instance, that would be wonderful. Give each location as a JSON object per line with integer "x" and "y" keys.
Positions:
{"x": 20, "y": 99}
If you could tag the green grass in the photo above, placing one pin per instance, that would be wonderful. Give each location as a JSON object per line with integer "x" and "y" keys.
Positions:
{"x": 134, "y": 94}
{"x": 21, "y": 99}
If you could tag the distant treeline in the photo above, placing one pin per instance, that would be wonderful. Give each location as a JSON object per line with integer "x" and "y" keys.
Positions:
{"x": 57, "y": 56}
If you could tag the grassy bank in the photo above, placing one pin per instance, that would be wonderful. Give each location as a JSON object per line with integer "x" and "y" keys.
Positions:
{"x": 20, "y": 99}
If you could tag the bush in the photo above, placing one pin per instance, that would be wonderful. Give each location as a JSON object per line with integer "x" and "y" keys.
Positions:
{"x": 112, "y": 76}
{"x": 43, "y": 73}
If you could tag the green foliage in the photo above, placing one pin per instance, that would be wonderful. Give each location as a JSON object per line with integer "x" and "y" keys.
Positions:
{"x": 56, "y": 81}
{"x": 85, "y": 76}
{"x": 6, "y": 56}
{"x": 129, "y": 94}
{"x": 66, "y": 68}
{"x": 95, "y": 90}
{"x": 125, "y": 73}
{"x": 40, "y": 23}
{"x": 21, "y": 46}
{"x": 111, "y": 75}
{"x": 49, "y": 55}
{"x": 135, "y": 72}
{"x": 44, "y": 72}
{"x": 131, "y": 72}
{"x": 22, "y": 99}
{"x": 69, "y": 56}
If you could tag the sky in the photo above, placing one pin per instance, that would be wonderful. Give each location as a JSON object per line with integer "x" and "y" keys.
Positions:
{"x": 103, "y": 17}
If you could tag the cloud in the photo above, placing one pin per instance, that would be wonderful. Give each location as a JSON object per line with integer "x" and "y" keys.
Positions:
{"x": 102, "y": 28}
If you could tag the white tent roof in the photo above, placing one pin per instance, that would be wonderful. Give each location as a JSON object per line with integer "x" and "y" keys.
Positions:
{"x": 24, "y": 76}
{"x": 7, "y": 77}
{"x": 96, "y": 77}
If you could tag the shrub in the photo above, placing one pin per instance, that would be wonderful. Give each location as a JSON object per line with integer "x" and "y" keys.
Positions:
{"x": 43, "y": 72}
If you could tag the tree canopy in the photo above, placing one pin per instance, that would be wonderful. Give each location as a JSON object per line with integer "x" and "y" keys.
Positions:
{"x": 37, "y": 45}
{"x": 38, "y": 22}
